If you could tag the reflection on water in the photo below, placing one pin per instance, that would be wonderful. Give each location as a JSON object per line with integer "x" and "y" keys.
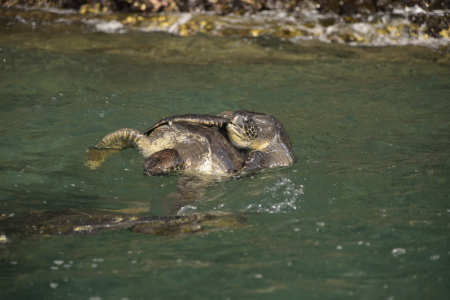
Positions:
{"x": 364, "y": 213}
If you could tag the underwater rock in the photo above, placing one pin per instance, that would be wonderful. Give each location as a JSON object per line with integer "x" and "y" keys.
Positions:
{"x": 75, "y": 222}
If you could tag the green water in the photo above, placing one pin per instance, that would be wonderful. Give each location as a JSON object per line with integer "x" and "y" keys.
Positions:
{"x": 370, "y": 129}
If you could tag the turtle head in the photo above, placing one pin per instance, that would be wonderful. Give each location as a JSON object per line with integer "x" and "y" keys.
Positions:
{"x": 242, "y": 130}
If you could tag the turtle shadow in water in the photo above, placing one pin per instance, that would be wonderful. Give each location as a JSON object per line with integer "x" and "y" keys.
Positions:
{"x": 70, "y": 222}
{"x": 189, "y": 188}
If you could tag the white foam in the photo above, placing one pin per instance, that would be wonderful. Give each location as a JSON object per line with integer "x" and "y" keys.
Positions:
{"x": 108, "y": 27}
{"x": 60, "y": 11}
{"x": 182, "y": 20}
{"x": 409, "y": 10}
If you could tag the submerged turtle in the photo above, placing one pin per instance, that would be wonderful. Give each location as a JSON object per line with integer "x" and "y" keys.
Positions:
{"x": 262, "y": 136}
{"x": 72, "y": 222}
{"x": 190, "y": 147}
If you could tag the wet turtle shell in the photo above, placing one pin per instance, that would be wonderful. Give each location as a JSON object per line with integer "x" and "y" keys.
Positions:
{"x": 190, "y": 147}
{"x": 262, "y": 136}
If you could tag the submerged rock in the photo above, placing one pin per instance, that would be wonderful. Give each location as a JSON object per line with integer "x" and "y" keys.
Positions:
{"x": 73, "y": 222}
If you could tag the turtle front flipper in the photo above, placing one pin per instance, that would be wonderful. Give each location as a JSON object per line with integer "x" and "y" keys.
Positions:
{"x": 115, "y": 142}
{"x": 205, "y": 120}
{"x": 256, "y": 160}
{"x": 269, "y": 158}
{"x": 163, "y": 162}
{"x": 122, "y": 139}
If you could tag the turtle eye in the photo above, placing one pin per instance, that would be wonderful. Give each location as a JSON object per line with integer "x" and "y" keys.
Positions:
{"x": 246, "y": 119}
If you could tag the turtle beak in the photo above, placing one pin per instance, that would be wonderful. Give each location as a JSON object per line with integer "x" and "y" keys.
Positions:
{"x": 235, "y": 130}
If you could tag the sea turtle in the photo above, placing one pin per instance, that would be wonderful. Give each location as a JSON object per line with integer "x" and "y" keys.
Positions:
{"x": 190, "y": 147}
{"x": 75, "y": 222}
{"x": 262, "y": 136}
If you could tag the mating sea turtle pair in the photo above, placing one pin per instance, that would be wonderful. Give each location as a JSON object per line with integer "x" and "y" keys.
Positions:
{"x": 183, "y": 143}
{"x": 262, "y": 136}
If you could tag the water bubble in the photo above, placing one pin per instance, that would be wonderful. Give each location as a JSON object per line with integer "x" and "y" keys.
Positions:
{"x": 339, "y": 247}
{"x": 368, "y": 244}
{"x": 11, "y": 215}
{"x": 58, "y": 262}
{"x": 94, "y": 266}
{"x": 53, "y": 285}
{"x": 3, "y": 239}
{"x": 14, "y": 262}
{"x": 398, "y": 251}
{"x": 259, "y": 276}
{"x": 434, "y": 257}
{"x": 54, "y": 268}
{"x": 321, "y": 224}
{"x": 95, "y": 298}
{"x": 179, "y": 260}
{"x": 134, "y": 261}
{"x": 360, "y": 243}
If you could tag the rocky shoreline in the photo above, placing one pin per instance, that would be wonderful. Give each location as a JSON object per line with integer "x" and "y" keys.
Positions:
{"x": 341, "y": 7}
{"x": 355, "y": 22}
{"x": 241, "y": 7}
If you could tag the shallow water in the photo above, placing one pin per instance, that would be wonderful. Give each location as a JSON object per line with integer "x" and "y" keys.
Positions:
{"x": 364, "y": 214}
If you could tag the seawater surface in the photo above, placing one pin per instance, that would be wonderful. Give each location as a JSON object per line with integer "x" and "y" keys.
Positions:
{"x": 364, "y": 214}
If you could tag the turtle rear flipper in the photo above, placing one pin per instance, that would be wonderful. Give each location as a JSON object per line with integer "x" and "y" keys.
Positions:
{"x": 163, "y": 162}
